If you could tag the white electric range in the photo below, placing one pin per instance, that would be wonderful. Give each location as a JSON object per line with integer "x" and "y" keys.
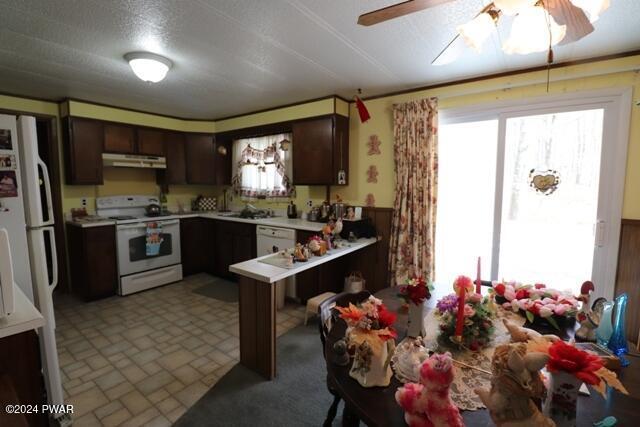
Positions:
{"x": 139, "y": 271}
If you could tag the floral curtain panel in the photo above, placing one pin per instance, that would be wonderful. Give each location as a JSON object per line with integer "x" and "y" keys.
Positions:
{"x": 261, "y": 168}
{"x": 413, "y": 230}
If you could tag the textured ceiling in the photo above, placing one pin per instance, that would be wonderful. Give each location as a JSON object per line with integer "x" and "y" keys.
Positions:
{"x": 235, "y": 56}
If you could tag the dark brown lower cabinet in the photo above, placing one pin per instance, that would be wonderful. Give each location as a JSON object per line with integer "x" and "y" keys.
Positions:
{"x": 21, "y": 380}
{"x": 93, "y": 261}
{"x": 235, "y": 242}
{"x": 197, "y": 245}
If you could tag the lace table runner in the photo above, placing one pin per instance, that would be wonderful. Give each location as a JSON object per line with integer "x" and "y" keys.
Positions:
{"x": 407, "y": 358}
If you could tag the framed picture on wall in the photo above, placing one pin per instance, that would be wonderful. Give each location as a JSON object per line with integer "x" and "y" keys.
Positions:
{"x": 7, "y": 162}
{"x": 5, "y": 139}
{"x": 8, "y": 184}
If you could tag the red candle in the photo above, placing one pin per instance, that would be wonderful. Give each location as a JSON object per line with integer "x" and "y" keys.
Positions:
{"x": 460, "y": 318}
{"x": 478, "y": 279}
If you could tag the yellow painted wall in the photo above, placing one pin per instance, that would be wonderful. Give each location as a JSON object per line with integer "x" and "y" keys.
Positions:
{"x": 616, "y": 73}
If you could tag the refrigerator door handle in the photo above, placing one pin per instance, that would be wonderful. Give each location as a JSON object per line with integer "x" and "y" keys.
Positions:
{"x": 54, "y": 258}
{"x": 47, "y": 190}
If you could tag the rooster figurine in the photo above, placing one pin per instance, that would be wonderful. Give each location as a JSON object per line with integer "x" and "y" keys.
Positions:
{"x": 588, "y": 318}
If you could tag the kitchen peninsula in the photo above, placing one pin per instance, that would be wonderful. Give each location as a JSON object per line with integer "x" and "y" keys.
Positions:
{"x": 258, "y": 304}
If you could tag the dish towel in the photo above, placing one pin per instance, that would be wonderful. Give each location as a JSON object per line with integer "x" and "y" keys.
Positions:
{"x": 154, "y": 238}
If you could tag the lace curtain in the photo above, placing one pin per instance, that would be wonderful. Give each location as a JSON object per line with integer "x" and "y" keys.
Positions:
{"x": 261, "y": 168}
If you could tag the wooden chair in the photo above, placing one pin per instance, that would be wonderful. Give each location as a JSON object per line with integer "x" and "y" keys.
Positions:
{"x": 327, "y": 316}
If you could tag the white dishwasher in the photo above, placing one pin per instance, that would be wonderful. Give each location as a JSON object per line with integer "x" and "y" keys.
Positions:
{"x": 271, "y": 240}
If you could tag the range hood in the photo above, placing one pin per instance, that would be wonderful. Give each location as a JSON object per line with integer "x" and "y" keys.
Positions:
{"x": 133, "y": 161}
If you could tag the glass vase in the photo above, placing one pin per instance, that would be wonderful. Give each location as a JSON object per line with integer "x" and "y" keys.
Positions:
{"x": 618, "y": 341}
{"x": 415, "y": 326}
{"x": 605, "y": 328}
{"x": 562, "y": 399}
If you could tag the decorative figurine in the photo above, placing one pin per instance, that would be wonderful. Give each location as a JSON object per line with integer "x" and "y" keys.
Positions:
{"x": 588, "y": 318}
{"x": 428, "y": 403}
{"x": 515, "y": 384}
{"x": 522, "y": 334}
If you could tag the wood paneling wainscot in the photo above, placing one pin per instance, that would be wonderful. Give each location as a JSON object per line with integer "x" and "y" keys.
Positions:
{"x": 628, "y": 275}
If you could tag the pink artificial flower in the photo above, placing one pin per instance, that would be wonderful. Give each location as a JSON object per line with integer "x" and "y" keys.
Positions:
{"x": 523, "y": 303}
{"x": 560, "y": 309}
{"x": 469, "y": 311}
{"x": 547, "y": 300}
{"x": 545, "y": 312}
{"x": 540, "y": 286}
{"x": 474, "y": 298}
{"x": 509, "y": 293}
{"x": 506, "y": 305}
{"x": 514, "y": 305}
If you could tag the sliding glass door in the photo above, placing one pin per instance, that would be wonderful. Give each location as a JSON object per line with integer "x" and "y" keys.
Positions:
{"x": 532, "y": 191}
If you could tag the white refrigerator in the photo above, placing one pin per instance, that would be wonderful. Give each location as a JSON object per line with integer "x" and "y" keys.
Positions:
{"x": 26, "y": 212}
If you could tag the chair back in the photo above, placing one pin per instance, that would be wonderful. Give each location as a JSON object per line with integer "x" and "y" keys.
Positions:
{"x": 327, "y": 316}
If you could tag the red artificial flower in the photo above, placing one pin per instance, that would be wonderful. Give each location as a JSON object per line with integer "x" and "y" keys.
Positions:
{"x": 540, "y": 286}
{"x": 567, "y": 358}
{"x": 522, "y": 294}
{"x": 386, "y": 318}
{"x": 499, "y": 288}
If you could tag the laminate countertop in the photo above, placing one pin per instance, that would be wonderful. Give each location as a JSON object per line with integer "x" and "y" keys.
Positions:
{"x": 25, "y": 316}
{"x": 269, "y": 273}
{"x": 278, "y": 221}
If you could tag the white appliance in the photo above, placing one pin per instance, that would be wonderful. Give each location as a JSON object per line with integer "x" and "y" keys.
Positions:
{"x": 133, "y": 161}
{"x": 271, "y": 240}
{"x": 139, "y": 271}
{"x": 6, "y": 276}
{"x": 27, "y": 215}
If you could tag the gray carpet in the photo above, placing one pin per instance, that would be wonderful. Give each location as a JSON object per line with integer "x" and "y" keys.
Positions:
{"x": 220, "y": 289}
{"x": 297, "y": 397}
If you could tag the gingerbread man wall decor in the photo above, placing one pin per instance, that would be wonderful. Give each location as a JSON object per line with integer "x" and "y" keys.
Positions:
{"x": 372, "y": 174}
{"x": 374, "y": 145}
{"x": 370, "y": 201}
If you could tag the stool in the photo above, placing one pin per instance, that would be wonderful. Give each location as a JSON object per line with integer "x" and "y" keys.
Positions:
{"x": 314, "y": 303}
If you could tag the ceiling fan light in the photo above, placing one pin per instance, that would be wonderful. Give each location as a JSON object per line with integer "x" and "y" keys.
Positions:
{"x": 147, "y": 66}
{"x": 476, "y": 31}
{"x": 593, "y": 8}
{"x": 530, "y": 32}
{"x": 512, "y": 7}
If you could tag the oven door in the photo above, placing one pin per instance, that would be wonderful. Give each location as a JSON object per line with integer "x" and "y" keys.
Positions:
{"x": 132, "y": 249}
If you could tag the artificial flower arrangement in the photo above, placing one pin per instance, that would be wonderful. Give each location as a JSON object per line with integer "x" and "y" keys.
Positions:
{"x": 416, "y": 290}
{"x": 479, "y": 313}
{"x": 569, "y": 367}
{"x": 317, "y": 245}
{"x": 537, "y": 301}
{"x": 370, "y": 335}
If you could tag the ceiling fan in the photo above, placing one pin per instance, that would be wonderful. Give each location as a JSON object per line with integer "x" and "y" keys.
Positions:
{"x": 537, "y": 24}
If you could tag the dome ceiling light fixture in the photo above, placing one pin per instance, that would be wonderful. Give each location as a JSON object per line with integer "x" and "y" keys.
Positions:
{"x": 148, "y": 66}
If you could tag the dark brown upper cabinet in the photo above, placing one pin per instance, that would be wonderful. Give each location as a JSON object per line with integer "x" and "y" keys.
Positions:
{"x": 176, "y": 172}
{"x": 320, "y": 150}
{"x": 119, "y": 139}
{"x": 151, "y": 142}
{"x": 223, "y": 155}
{"x": 83, "y": 142}
{"x": 199, "y": 149}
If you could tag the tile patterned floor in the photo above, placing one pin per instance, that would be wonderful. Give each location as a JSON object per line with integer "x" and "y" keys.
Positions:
{"x": 146, "y": 358}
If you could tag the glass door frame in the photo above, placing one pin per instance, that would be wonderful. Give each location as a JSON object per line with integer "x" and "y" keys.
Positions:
{"x": 615, "y": 139}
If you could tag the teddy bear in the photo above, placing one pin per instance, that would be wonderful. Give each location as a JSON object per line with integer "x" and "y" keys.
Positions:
{"x": 516, "y": 383}
{"x": 428, "y": 403}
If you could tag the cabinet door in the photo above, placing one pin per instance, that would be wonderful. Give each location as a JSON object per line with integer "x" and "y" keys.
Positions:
{"x": 83, "y": 151}
{"x": 313, "y": 152}
{"x": 151, "y": 142}
{"x": 176, "y": 172}
{"x": 93, "y": 261}
{"x": 223, "y": 162}
{"x": 119, "y": 139}
{"x": 223, "y": 248}
{"x": 190, "y": 248}
{"x": 200, "y": 159}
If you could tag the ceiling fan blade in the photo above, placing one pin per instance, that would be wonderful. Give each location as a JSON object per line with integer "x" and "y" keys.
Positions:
{"x": 397, "y": 10}
{"x": 451, "y": 52}
{"x": 565, "y": 13}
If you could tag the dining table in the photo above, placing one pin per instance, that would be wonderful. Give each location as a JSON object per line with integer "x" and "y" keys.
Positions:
{"x": 376, "y": 406}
